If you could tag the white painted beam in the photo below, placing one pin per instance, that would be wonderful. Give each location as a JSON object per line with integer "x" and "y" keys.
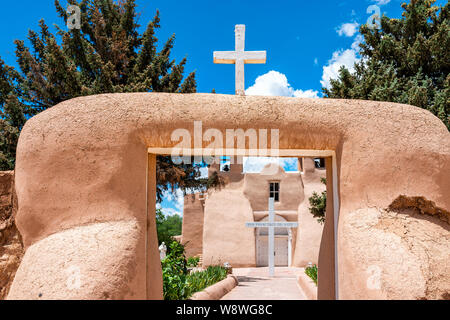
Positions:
{"x": 282, "y": 153}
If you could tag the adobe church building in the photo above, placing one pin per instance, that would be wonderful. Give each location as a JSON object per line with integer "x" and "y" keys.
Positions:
{"x": 214, "y": 223}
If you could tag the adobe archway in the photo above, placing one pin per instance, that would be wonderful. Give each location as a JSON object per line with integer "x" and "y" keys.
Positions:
{"x": 81, "y": 182}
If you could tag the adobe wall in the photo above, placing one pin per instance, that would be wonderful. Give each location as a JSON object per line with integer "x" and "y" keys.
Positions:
{"x": 75, "y": 158}
{"x": 11, "y": 248}
{"x": 309, "y": 232}
{"x": 192, "y": 230}
{"x": 233, "y": 176}
{"x": 328, "y": 287}
{"x": 256, "y": 188}
{"x": 398, "y": 254}
{"x": 225, "y": 236}
{"x": 226, "y": 211}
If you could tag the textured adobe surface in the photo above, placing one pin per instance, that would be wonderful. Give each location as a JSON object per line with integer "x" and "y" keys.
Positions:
{"x": 86, "y": 159}
{"x": 402, "y": 255}
{"x": 309, "y": 232}
{"x": 11, "y": 248}
{"x": 225, "y": 233}
{"x": 192, "y": 233}
{"x": 103, "y": 267}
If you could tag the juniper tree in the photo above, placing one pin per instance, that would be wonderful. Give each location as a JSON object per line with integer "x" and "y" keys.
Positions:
{"x": 12, "y": 115}
{"x": 106, "y": 55}
{"x": 407, "y": 60}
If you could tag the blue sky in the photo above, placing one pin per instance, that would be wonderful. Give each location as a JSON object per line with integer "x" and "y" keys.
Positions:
{"x": 306, "y": 41}
{"x": 300, "y": 36}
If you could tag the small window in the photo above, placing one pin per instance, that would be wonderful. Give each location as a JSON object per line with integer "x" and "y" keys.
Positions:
{"x": 274, "y": 191}
{"x": 320, "y": 163}
{"x": 225, "y": 164}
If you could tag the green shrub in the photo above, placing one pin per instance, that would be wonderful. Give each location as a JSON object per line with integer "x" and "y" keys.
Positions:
{"x": 193, "y": 262}
{"x": 319, "y": 204}
{"x": 312, "y": 273}
{"x": 178, "y": 284}
{"x": 167, "y": 227}
{"x": 174, "y": 268}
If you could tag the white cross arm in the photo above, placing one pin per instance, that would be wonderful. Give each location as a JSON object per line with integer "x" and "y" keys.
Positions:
{"x": 227, "y": 57}
{"x": 253, "y": 57}
{"x": 249, "y": 57}
{"x": 271, "y": 224}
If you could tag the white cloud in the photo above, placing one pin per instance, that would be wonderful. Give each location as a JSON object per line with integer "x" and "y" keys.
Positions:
{"x": 340, "y": 58}
{"x": 348, "y": 29}
{"x": 179, "y": 200}
{"x": 176, "y": 199}
{"x": 306, "y": 94}
{"x": 168, "y": 196}
{"x": 171, "y": 212}
{"x": 358, "y": 39}
{"x": 275, "y": 83}
{"x": 381, "y": 2}
{"x": 204, "y": 172}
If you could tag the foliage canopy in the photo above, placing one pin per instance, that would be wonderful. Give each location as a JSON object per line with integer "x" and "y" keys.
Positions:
{"x": 407, "y": 61}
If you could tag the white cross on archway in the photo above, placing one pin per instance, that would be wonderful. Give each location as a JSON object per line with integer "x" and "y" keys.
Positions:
{"x": 240, "y": 57}
{"x": 272, "y": 225}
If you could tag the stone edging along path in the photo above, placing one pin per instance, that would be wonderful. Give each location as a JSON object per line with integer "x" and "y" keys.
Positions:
{"x": 218, "y": 290}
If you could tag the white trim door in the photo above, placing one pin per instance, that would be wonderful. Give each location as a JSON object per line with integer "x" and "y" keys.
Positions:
{"x": 262, "y": 251}
{"x": 281, "y": 251}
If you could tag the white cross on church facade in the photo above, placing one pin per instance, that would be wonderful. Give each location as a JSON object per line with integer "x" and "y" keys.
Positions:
{"x": 240, "y": 57}
{"x": 271, "y": 225}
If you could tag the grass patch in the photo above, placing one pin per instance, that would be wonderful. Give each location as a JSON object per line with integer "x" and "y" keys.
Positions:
{"x": 201, "y": 280}
{"x": 192, "y": 262}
